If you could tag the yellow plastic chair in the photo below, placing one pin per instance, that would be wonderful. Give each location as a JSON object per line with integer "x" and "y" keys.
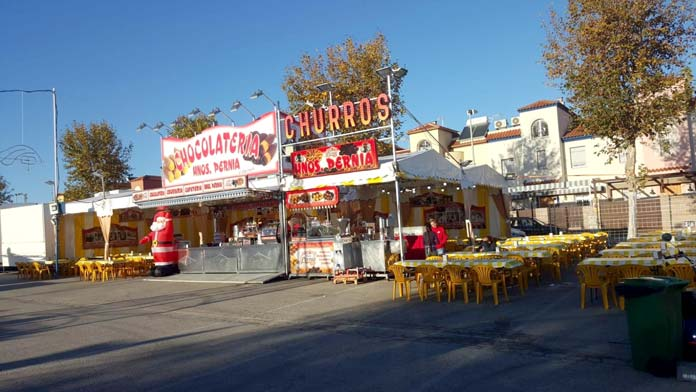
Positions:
{"x": 40, "y": 268}
{"x": 551, "y": 263}
{"x": 429, "y": 276}
{"x": 595, "y": 277}
{"x": 487, "y": 276}
{"x": 401, "y": 280}
{"x": 519, "y": 274}
{"x": 682, "y": 271}
{"x": 631, "y": 271}
{"x": 458, "y": 277}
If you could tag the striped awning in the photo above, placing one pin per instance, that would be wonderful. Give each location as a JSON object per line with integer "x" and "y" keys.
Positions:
{"x": 555, "y": 188}
{"x": 205, "y": 197}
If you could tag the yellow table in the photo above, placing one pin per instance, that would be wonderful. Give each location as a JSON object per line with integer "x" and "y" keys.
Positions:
{"x": 616, "y": 261}
{"x": 654, "y": 244}
{"x": 495, "y": 263}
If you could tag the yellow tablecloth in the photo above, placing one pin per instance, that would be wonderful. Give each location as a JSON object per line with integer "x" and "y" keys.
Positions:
{"x": 654, "y": 244}
{"x": 495, "y": 263}
{"x": 616, "y": 261}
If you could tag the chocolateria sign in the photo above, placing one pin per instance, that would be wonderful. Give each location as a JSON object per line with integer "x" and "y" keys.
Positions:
{"x": 221, "y": 152}
{"x": 341, "y": 158}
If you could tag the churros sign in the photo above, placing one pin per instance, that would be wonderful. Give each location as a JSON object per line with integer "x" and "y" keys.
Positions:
{"x": 221, "y": 152}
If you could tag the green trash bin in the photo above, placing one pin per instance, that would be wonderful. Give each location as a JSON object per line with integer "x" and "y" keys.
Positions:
{"x": 654, "y": 314}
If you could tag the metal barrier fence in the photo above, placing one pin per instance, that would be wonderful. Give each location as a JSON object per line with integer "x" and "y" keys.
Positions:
{"x": 233, "y": 259}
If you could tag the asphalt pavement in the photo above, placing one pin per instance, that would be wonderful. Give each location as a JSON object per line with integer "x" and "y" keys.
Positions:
{"x": 306, "y": 335}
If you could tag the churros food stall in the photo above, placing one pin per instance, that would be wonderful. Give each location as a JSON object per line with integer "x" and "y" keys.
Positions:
{"x": 364, "y": 203}
{"x": 227, "y": 180}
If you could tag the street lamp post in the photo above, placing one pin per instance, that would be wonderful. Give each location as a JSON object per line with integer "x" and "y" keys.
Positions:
{"x": 144, "y": 125}
{"x": 236, "y": 105}
{"x": 216, "y": 111}
{"x": 101, "y": 176}
{"x": 281, "y": 204}
{"x": 324, "y": 88}
{"x": 55, "y": 219}
{"x": 389, "y": 73}
{"x": 470, "y": 113}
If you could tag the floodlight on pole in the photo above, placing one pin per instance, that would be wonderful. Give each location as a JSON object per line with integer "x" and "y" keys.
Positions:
{"x": 281, "y": 204}
{"x": 388, "y": 73}
{"x": 159, "y": 126}
{"x": 326, "y": 88}
{"x": 194, "y": 113}
{"x": 236, "y": 105}
{"x": 144, "y": 125}
{"x": 470, "y": 113}
{"x": 216, "y": 111}
{"x": 101, "y": 176}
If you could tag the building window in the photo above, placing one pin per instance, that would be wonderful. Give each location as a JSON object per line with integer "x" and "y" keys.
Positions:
{"x": 507, "y": 166}
{"x": 577, "y": 156}
{"x": 424, "y": 145}
{"x": 541, "y": 159}
{"x": 540, "y": 128}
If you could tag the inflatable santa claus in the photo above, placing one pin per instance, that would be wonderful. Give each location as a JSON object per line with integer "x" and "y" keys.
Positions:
{"x": 164, "y": 249}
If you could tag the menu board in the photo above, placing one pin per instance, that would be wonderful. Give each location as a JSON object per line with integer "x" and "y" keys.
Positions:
{"x": 326, "y": 197}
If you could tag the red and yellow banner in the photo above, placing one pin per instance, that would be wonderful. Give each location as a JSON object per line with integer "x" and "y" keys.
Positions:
{"x": 341, "y": 158}
{"x": 191, "y": 189}
{"x": 313, "y": 198}
{"x": 222, "y": 151}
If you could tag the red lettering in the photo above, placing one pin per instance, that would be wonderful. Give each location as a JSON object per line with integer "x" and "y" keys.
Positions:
{"x": 304, "y": 124}
{"x": 383, "y": 112}
{"x": 198, "y": 149}
{"x": 254, "y": 147}
{"x": 241, "y": 143}
{"x": 289, "y": 132}
{"x": 365, "y": 111}
{"x": 218, "y": 145}
{"x": 348, "y": 114}
{"x": 190, "y": 154}
{"x": 334, "y": 115}
{"x": 205, "y": 147}
{"x": 318, "y": 121}
{"x": 233, "y": 143}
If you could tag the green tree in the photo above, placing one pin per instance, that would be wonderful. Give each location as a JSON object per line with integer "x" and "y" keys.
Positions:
{"x": 94, "y": 149}
{"x": 185, "y": 127}
{"x": 5, "y": 191}
{"x": 350, "y": 68}
{"x": 623, "y": 67}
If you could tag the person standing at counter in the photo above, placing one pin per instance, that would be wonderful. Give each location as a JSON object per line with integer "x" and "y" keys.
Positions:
{"x": 441, "y": 236}
{"x": 429, "y": 241}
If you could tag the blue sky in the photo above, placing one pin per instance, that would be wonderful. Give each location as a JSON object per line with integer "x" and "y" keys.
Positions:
{"x": 130, "y": 61}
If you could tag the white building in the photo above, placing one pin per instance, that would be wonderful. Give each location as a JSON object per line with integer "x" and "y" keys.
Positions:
{"x": 538, "y": 152}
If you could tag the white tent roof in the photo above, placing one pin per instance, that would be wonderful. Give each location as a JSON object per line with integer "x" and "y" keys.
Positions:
{"x": 119, "y": 199}
{"x": 421, "y": 165}
{"x": 485, "y": 175}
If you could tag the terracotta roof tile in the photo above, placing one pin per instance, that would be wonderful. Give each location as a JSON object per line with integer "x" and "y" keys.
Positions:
{"x": 578, "y": 131}
{"x": 668, "y": 168}
{"x": 542, "y": 104}
{"x": 493, "y": 135}
{"x": 431, "y": 126}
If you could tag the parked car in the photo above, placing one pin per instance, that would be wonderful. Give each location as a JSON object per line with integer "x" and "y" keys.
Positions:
{"x": 517, "y": 232}
{"x": 532, "y": 226}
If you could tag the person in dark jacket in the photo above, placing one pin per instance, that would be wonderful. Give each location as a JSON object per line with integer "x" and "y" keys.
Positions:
{"x": 488, "y": 244}
{"x": 429, "y": 241}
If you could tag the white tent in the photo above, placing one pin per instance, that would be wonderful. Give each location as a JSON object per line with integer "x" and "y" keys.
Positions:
{"x": 421, "y": 165}
{"x": 485, "y": 175}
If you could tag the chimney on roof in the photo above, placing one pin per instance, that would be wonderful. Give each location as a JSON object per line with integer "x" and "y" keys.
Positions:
{"x": 562, "y": 102}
